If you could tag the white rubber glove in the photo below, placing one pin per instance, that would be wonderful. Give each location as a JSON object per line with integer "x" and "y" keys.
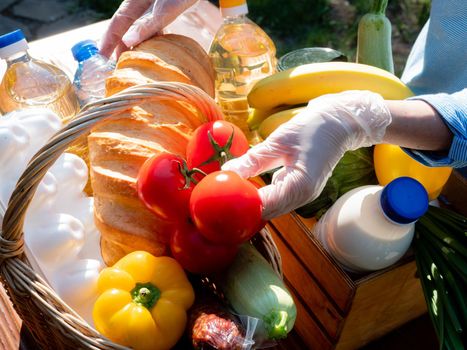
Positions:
{"x": 138, "y": 20}
{"x": 310, "y": 145}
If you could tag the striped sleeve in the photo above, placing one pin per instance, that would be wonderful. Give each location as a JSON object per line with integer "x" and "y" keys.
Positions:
{"x": 453, "y": 109}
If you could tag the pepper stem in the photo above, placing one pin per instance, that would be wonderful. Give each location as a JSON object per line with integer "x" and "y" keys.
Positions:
{"x": 145, "y": 294}
{"x": 276, "y": 324}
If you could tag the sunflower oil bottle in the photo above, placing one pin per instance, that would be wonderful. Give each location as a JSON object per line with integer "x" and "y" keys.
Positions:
{"x": 241, "y": 53}
{"x": 29, "y": 82}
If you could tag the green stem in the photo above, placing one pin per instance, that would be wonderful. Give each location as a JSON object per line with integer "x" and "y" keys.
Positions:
{"x": 221, "y": 153}
{"x": 188, "y": 174}
{"x": 145, "y": 294}
{"x": 379, "y": 7}
{"x": 276, "y": 324}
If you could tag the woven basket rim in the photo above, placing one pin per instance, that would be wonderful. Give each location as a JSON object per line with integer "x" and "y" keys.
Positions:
{"x": 25, "y": 284}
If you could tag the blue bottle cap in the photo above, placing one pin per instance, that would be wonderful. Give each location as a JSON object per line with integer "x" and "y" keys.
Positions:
{"x": 404, "y": 200}
{"x": 11, "y": 38}
{"x": 84, "y": 49}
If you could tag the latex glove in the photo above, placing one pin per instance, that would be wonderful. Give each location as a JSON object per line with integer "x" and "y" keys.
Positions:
{"x": 310, "y": 145}
{"x": 138, "y": 20}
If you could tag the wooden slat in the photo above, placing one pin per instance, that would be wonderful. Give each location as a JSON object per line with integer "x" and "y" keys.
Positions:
{"x": 455, "y": 193}
{"x": 331, "y": 278}
{"x": 325, "y": 313}
{"x": 308, "y": 331}
{"x": 381, "y": 304}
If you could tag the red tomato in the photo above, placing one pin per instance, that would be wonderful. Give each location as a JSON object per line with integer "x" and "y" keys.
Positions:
{"x": 164, "y": 188}
{"x": 257, "y": 182}
{"x": 198, "y": 255}
{"x": 226, "y": 208}
{"x": 213, "y": 143}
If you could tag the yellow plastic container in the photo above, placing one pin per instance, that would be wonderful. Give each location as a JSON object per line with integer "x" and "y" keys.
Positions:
{"x": 391, "y": 161}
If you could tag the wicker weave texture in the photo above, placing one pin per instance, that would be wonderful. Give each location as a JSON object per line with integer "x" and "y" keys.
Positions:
{"x": 52, "y": 322}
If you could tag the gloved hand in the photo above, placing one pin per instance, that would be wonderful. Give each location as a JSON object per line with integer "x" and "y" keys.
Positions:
{"x": 310, "y": 145}
{"x": 138, "y": 20}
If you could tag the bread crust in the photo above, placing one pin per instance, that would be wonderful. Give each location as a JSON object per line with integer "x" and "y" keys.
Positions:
{"x": 119, "y": 146}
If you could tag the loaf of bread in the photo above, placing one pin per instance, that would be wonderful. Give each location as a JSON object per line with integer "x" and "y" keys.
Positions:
{"x": 118, "y": 147}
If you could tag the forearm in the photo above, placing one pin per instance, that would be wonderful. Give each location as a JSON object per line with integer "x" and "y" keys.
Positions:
{"x": 417, "y": 125}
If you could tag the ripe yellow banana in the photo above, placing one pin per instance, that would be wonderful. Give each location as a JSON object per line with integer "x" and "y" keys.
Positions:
{"x": 301, "y": 84}
{"x": 272, "y": 122}
{"x": 257, "y": 116}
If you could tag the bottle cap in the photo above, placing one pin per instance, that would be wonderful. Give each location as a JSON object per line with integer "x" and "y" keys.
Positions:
{"x": 307, "y": 55}
{"x": 404, "y": 200}
{"x": 230, "y": 8}
{"x": 84, "y": 49}
{"x": 12, "y": 43}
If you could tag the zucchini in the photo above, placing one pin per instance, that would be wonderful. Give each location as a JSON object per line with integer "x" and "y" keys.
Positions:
{"x": 254, "y": 289}
{"x": 374, "y": 38}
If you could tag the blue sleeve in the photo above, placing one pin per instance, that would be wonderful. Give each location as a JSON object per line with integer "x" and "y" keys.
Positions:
{"x": 453, "y": 109}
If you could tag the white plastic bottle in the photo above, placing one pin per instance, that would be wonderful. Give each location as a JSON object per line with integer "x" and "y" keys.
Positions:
{"x": 93, "y": 69}
{"x": 31, "y": 83}
{"x": 371, "y": 227}
{"x": 241, "y": 53}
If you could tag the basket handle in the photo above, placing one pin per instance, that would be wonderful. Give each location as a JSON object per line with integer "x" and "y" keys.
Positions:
{"x": 22, "y": 280}
{"x": 11, "y": 243}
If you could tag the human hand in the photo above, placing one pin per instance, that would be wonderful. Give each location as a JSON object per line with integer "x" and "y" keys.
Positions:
{"x": 138, "y": 20}
{"x": 310, "y": 145}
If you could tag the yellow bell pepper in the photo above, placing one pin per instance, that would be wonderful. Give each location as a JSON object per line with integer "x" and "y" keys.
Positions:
{"x": 142, "y": 301}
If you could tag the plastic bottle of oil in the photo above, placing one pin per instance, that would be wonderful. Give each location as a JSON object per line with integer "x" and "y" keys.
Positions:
{"x": 29, "y": 82}
{"x": 241, "y": 53}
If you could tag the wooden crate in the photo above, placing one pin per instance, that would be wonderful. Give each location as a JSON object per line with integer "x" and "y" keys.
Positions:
{"x": 338, "y": 310}
{"x": 335, "y": 309}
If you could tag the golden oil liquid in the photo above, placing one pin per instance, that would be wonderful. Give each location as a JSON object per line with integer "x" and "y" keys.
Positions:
{"x": 241, "y": 53}
{"x": 34, "y": 83}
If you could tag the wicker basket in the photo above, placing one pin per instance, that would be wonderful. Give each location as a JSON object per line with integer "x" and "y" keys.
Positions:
{"x": 52, "y": 322}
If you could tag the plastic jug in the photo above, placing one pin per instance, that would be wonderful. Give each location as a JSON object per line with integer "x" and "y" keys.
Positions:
{"x": 371, "y": 227}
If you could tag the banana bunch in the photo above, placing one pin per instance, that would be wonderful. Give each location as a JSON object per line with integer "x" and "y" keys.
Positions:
{"x": 275, "y": 99}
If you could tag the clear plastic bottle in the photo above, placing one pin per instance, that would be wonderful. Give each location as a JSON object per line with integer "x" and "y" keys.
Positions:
{"x": 371, "y": 227}
{"x": 29, "y": 82}
{"x": 241, "y": 53}
{"x": 93, "y": 69}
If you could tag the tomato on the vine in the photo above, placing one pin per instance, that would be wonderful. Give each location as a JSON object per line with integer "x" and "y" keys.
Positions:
{"x": 165, "y": 184}
{"x": 257, "y": 182}
{"x": 214, "y": 143}
{"x": 198, "y": 255}
{"x": 226, "y": 208}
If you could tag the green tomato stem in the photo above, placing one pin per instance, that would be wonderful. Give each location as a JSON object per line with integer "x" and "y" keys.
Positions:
{"x": 145, "y": 294}
{"x": 221, "y": 153}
